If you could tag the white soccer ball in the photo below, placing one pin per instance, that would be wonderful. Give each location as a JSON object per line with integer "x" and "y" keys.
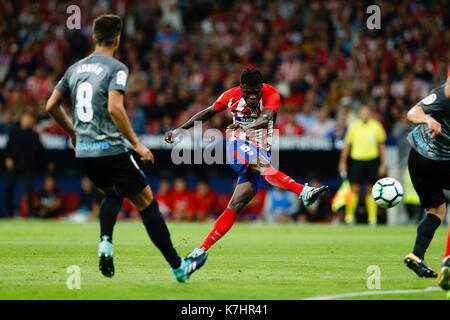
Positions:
{"x": 387, "y": 192}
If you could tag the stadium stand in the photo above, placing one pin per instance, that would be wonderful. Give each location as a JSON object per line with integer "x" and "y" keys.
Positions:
{"x": 319, "y": 55}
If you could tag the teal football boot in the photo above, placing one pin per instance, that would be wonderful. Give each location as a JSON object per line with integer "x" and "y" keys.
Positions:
{"x": 189, "y": 265}
{"x": 310, "y": 194}
{"x": 105, "y": 256}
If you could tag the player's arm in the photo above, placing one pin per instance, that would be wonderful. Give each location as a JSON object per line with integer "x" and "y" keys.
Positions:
{"x": 120, "y": 118}
{"x": 417, "y": 115}
{"x": 58, "y": 114}
{"x": 271, "y": 101}
{"x": 262, "y": 121}
{"x": 203, "y": 115}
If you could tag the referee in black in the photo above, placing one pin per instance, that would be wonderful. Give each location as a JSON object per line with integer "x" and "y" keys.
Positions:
{"x": 429, "y": 166}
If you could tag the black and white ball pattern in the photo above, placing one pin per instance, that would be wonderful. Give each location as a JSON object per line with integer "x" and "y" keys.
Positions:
{"x": 387, "y": 192}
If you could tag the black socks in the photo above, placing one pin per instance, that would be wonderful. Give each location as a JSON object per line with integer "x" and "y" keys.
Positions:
{"x": 159, "y": 234}
{"x": 109, "y": 209}
{"x": 425, "y": 233}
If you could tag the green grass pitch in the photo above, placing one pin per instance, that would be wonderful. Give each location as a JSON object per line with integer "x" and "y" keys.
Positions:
{"x": 253, "y": 261}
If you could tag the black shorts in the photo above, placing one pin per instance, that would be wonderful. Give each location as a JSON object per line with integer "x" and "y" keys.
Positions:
{"x": 429, "y": 178}
{"x": 363, "y": 171}
{"x": 119, "y": 171}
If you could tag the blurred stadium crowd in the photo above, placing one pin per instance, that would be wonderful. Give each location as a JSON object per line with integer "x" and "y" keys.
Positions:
{"x": 182, "y": 54}
{"x": 177, "y": 203}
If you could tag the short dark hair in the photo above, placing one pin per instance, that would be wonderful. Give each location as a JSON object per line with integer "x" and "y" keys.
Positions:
{"x": 251, "y": 77}
{"x": 106, "y": 28}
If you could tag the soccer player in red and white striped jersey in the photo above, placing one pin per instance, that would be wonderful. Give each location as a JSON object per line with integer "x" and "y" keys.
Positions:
{"x": 254, "y": 106}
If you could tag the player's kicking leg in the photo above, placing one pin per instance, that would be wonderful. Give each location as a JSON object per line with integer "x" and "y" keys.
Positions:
{"x": 160, "y": 236}
{"x": 308, "y": 194}
{"x": 245, "y": 192}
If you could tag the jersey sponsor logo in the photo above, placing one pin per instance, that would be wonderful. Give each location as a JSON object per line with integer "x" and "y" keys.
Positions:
{"x": 245, "y": 120}
{"x": 104, "y": 145}
{"x": 121, "y": 78}
{"x": 430, "y": 99}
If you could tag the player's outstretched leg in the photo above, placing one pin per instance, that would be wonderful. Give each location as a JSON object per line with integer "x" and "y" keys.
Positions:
{"x": 160, "y": 236}
{"x": 109, "y": 208}
{"x": 425, "y": 233}
{"x": 220, "y": 228}
{"x": 278, "y": 179}
{"x": 310, "y": 195}
{"x": 242, "y": 195}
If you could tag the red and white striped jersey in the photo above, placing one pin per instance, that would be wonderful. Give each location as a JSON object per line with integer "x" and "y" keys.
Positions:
{"x": 244, "y": 115}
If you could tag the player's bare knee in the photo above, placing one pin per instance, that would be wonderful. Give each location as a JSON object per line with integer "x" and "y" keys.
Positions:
{"x": 439, "y": 211}
{"x": 238, "y": 203}
{"x": 142, "y": 199}
{"x": 236, "y": 206}
{"x": 139, "y": 202}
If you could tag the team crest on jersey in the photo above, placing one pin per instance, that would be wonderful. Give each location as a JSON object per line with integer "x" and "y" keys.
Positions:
{"x": 430, "y": 99}
{"x": 121, "y": 78}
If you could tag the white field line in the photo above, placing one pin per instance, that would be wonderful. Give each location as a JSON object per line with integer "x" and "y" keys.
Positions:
{"x": 371, "y": 293}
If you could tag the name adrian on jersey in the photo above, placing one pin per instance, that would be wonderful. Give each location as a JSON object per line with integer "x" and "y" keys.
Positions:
{"x": 90, "y": 67}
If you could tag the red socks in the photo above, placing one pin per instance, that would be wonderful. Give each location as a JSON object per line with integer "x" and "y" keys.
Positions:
{"x": 280, "y": 180}
{"x": 447, "y": 250}
{"x": 221, "y": 226}
{"x": 228, "y": 217}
